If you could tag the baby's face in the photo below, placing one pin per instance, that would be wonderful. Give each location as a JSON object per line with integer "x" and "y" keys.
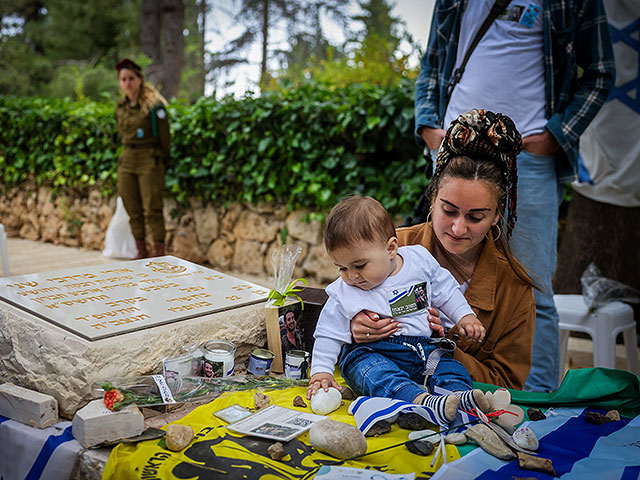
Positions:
{"x": 366, "y": 265}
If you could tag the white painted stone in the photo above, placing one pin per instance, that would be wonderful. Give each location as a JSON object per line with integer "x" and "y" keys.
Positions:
{"x": 95, "y": 423}
{"x": 28, "y": 406}
{"x": 323, "y": 402}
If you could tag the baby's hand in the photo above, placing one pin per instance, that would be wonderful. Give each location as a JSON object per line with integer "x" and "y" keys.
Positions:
{"x": 321, "y": 380}
{"x": 471, "y": 327}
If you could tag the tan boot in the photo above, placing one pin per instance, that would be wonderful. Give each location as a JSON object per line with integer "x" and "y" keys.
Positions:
{"x": 141, "y": 245}
{"x": 158, "y": 249}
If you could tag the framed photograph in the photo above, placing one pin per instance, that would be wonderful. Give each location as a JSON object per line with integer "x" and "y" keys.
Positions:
{"x": 285, "y": 331}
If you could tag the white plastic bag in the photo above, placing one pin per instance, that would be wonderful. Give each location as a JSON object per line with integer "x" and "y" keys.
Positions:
{"x": 119, "y": 241}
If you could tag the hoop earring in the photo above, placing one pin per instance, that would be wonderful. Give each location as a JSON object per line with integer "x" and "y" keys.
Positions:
{"x": 495, "y": 237}
{"x": 429, "y": 220}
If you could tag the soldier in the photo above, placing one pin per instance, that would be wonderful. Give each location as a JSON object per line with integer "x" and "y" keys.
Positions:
{"x": 141, "y": 119}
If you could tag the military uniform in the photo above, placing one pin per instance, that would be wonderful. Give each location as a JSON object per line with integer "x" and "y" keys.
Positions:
{"x": 141, "y": 166}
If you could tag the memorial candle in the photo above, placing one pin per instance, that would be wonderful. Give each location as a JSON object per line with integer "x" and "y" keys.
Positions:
{"x": 219, "y": 358}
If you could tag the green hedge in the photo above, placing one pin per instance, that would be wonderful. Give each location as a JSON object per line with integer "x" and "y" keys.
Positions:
{"x": 305, "y": 147}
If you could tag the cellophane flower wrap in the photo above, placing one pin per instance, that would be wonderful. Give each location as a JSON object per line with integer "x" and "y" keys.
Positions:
{"x": 283, "y": 261}
{"x": 143, "y": 391}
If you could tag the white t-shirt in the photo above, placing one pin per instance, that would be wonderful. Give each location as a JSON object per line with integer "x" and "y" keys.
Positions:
{"x": 505, "y": 73}
{"x": 421, "y": 282}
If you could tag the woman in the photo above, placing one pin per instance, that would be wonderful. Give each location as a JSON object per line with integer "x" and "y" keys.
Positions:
{"x": 141, "y": 119}
{"x": 474, "y": 185}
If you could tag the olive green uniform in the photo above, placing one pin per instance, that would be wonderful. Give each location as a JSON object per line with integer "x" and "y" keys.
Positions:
{"x": 141, "y": 166}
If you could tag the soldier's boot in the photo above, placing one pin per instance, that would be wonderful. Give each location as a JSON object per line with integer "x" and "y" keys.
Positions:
{"x": 141, "y": 245}
{"x": 158, "y": 249}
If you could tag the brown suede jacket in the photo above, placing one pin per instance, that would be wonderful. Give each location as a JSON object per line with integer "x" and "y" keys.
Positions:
{"x": 505, "y": 306}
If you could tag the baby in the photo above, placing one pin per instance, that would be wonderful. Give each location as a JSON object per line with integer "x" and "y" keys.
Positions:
{"x": 377, "y": 275}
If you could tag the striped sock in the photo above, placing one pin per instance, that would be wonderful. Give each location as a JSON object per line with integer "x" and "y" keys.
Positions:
{"x": 443, "y": 407}
{"x": 473, "y": 399}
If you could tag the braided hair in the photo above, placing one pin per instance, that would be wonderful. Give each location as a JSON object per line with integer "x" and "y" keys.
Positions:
{"x": 488, "y": 140}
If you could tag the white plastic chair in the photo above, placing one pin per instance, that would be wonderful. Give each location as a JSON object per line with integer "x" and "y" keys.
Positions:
{"x": 3, "y": 251}
{"x": 603, "y": 325}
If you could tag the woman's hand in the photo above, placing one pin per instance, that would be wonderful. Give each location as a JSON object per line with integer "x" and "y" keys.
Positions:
{"x": 433, "y": 317}
{"x": 368, "y": 326}
{"x": 321, "y": 380}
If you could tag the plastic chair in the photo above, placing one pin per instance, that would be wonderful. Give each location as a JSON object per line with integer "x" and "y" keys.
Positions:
{"x": 3, "y": 251}
{"x": 603, "y": 325}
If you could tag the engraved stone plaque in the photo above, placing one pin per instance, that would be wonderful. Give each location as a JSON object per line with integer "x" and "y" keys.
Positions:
{"x": 108, "y": 300}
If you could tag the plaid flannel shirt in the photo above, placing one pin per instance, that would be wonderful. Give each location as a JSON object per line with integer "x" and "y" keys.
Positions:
{"x": 576, "y": 36}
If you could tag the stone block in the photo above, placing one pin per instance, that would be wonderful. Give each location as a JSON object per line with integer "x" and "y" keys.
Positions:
{"x": 95, "y": 423}
{"x": 28, "y": 406}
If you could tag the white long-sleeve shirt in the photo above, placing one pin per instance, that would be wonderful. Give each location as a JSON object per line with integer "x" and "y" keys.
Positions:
{"x": 396, "y": 297}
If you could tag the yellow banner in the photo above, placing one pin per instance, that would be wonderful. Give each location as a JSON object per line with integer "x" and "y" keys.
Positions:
{"x": 218, "y": 453}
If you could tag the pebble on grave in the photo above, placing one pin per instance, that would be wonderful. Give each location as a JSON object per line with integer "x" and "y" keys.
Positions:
{"x": 95, "y": 423}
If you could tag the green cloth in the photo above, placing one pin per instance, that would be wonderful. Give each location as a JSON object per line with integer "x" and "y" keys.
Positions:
{"x": 604, "y": 388}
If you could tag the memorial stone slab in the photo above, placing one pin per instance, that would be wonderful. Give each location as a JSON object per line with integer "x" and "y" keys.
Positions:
{"x": 62, "y": 332}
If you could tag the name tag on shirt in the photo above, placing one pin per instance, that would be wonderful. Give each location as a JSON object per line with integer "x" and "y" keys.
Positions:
{"x": 518, "y": 13}
{"x": 404, "y": 301}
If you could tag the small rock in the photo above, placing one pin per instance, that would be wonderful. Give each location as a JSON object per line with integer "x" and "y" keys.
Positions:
{"x": 614, "y": 415}
{"x": 596, "y": 418}
{"x": 539, "y": 464}
{"x": 347, "y": 393}
{"x": 525, "y": 438}
{"x": 178, "y": 436}
{"x": 261, "y": 400}
{"x": 489, "y": 441}
{"x": 326, "y": 402}
{"x": 276, "y": 451}
{"x": 337, "y": 439}
{"x": 299, "y": 402}
{"x": 378, "y": 428}
{"x": 420, "y": 447}
{"x": 456, "y": 438}
{"x": 413, "y": 421}
{"x": 535, "y": 414}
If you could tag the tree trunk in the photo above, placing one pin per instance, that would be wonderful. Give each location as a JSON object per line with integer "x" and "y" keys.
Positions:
{"x": 173, "y": 23}
{"x": 601, "y": 233}
{"x": 203, "y": 45}
{"x": 265, "y": 37}
{"x": 166, "y": 51}
{"x": 150, "y": 28}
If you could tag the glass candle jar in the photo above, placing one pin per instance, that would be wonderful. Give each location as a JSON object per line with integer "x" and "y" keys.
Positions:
{"x": 219, "y": 358}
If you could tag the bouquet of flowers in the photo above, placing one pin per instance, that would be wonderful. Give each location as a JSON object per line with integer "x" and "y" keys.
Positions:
{"x": 144, "y": 392}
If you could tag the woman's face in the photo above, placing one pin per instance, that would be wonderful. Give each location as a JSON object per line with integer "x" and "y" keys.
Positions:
{"x": 129, "y": 82}
{"x": 463, "y": 212}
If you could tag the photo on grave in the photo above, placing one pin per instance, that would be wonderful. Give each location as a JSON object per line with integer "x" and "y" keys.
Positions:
{"x": 285, "y": 331}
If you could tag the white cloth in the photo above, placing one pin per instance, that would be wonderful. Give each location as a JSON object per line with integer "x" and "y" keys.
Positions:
{"x": 609, "y": 147}
{"x": 511, "y": 82}
{"x": 419, "y": 266}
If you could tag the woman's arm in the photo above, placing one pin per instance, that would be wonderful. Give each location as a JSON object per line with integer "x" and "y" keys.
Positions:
{"x": 368, "y": 326}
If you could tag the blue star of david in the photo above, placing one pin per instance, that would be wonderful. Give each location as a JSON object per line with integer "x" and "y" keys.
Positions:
{"x": 621, "y": 92}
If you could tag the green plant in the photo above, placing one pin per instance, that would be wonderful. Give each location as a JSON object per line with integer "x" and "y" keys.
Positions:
{"x": 302, "y": 147}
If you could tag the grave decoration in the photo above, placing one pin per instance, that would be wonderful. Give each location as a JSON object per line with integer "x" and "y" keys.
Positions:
{"x": 285, "y": 328}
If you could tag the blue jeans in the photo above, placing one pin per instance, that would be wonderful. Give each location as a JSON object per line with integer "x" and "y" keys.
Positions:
{"x": 387, "y": 368}
{"x": 534, "y": 244}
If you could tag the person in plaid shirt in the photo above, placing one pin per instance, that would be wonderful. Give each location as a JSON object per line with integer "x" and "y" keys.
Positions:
{"x": 549, "y": 65}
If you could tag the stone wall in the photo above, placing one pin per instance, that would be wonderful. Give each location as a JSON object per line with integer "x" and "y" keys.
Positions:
{"x": 236, "y": 237}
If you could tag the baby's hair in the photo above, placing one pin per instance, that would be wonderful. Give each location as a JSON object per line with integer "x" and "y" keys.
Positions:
{"x": 355, "y": 220}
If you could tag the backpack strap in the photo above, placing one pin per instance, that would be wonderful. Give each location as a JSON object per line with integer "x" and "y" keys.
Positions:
{"x": 496, "y": 10}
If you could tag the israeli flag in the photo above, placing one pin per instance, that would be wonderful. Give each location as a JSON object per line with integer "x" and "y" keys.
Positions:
{"x": 29, "y": 453}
